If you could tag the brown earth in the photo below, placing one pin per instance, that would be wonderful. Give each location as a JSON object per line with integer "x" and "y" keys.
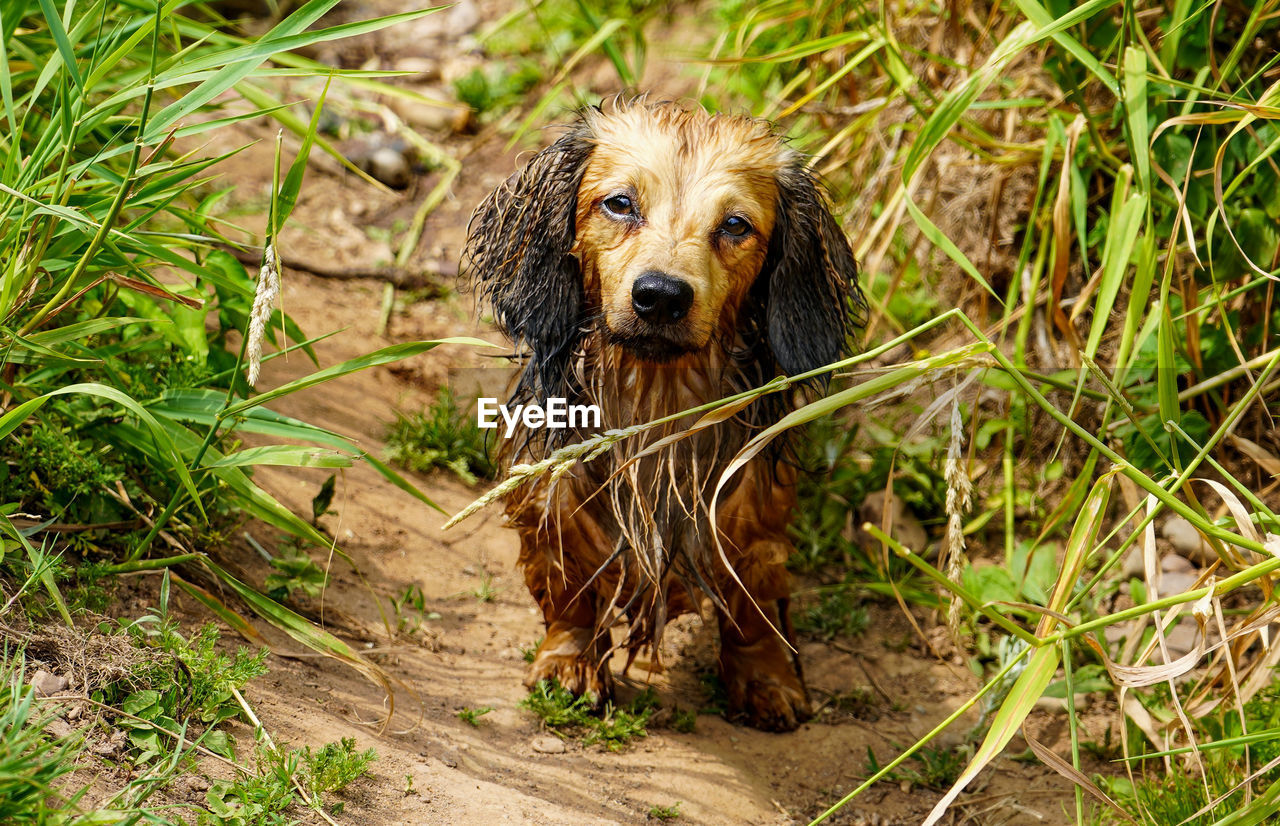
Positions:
{"x": 434, "y": 768}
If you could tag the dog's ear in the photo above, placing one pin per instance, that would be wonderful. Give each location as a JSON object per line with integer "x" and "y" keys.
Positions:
{"x": 517, "y": 258}
{"x": 811, "y": 279}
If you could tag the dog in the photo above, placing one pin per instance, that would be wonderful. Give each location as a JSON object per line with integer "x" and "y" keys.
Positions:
{"x": 654, "y": 258}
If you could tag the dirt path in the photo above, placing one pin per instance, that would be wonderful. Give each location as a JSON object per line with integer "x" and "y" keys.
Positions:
{"x": 433, "y": 768}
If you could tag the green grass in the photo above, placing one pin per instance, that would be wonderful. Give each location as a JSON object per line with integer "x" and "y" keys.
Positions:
{"x": 613, "y": 728}
{"x": 836, "y": 612}
{"x": 126, "y": 332}
{"x": 665, "y": 813}
{"x": 471, "y": 716}
{"x": 271, "y": 796}
{"x": 443, "y": 437}
{"x": 933, "y": 767}
{"x": 125, "y": 363}
{"x": 31, "y": 763}
{"x": 1067, "y": 218}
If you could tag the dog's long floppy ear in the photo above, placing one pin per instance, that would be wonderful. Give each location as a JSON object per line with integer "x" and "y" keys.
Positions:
{"x": 813, "y": 299}
{"x": 517, "y": 259}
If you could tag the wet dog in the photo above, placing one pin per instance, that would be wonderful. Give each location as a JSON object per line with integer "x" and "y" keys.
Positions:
{"x": 652, "y": 259}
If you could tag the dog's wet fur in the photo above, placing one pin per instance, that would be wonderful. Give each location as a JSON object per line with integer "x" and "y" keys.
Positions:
{"x": 743, "y": 275}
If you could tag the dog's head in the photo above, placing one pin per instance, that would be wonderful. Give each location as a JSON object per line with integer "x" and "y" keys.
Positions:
{"x": 661, "y": 227}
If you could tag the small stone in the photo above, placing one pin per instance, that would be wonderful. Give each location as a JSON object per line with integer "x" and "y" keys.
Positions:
{"x": 59, "y": 728}
{"x": 463, "y": 18}
{"x": 390, "y": 167}
{"x": 1172, "y": 563}
{"x": 111, "y": 746}
{"x": 385, "y": 157}
{"x": 547, "y": 744}
{"x": 437, "y": 113}
{"x": 1182, "y": 639}
{"x": 190, "y": 786}
{"x": 906, "y": 528}
{"x": 418, "y": 69}
{"x": 1177, "y": 582}
{"x": 45, "y": 684}
{"x": 1186, "y": 540}
{"x": 1134, "y": 566}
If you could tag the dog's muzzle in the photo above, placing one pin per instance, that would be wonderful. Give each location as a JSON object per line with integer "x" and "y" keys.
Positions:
{"x": 660, "y": 299}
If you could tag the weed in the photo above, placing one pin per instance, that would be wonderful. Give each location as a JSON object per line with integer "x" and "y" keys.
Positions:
{"x": 485, "y": 592}
{"x": 163, "y": 698}
{"x": 713, "y": 690}
{"x": 444, "y": 436}
{"x": 334, "y": 766}
{"x": 472, "y": 716}
{"x": 614, "y": 728}
{"x": 557, "y": 706}
{"x": 531, "y": 651}
{"x": 936, "y": 767}
{"x": 684, "y": 720}
{"x": 671, "y": 812}
{"x": 838, "y": 612}
{"x": 265, "y": 798}
{"x": 497, "y": 86}
{"x": 411, "y": 610}
{"x": 295, "y": 570}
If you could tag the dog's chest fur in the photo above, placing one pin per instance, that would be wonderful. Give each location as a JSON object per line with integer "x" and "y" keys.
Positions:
{"x": 650, "y": 508}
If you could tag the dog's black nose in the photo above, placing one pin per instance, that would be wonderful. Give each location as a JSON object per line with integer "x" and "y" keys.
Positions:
{"x": 661, "y": 299}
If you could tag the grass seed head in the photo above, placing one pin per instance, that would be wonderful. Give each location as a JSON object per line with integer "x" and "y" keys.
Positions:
{"x": 264, "y": 301}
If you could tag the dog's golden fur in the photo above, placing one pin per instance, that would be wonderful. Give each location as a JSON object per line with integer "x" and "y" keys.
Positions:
{"x": 722, "y": 208}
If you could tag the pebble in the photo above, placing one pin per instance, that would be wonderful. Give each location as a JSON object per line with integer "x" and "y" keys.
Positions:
{"x": 45, "y": 684}
{"x": 1134, "y": 566}
{"x": 463, "y": 18}
{"x": 906, "y": 528}
{"x": 385, "y": 157}
{"x": 1181, "y": 640}
{"x": 548, "y": 744}
{"x": 424, "y": 116}
{"x": 1186, "y": 540}
{"x": 390, "y": 167}
{"x": 418, "y": 69}
{"x": 59, "y": 728}
{"x": 1177, "y": 576}
{"x": 1177, "y": 582}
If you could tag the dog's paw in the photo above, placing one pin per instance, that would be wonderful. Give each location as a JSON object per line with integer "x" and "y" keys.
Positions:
{"x": 769, "y": 705}
{"x": 566, "y": 657}
{"x": 763, "y": 691}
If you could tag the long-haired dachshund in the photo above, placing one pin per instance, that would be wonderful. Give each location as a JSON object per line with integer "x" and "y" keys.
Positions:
{"x": 653, "y": 259}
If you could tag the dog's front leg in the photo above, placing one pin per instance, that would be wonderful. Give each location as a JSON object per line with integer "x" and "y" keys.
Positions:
{"x": 574, "y": 652}
{"x": 760, "y": 673}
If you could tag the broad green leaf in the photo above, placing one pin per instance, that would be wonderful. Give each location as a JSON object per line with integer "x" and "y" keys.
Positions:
{"x": 167, "y": 451}
{"x": 386, "y": 355}
{"x": 1033, "y": 682}
{"x": 1135, "y": 103}
{"x": 59, "y": 34}
{"x": 286, "y": 455}
{"x": 306, "y": 632}
{"x": 1122, "y": 234}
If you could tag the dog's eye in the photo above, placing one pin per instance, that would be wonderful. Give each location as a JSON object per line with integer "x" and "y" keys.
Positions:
{"x": 619, "y": 205}
{"x": 735, "y": 226}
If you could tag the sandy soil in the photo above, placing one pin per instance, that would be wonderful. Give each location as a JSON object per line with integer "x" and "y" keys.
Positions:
{"x": 433, "y": 768}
